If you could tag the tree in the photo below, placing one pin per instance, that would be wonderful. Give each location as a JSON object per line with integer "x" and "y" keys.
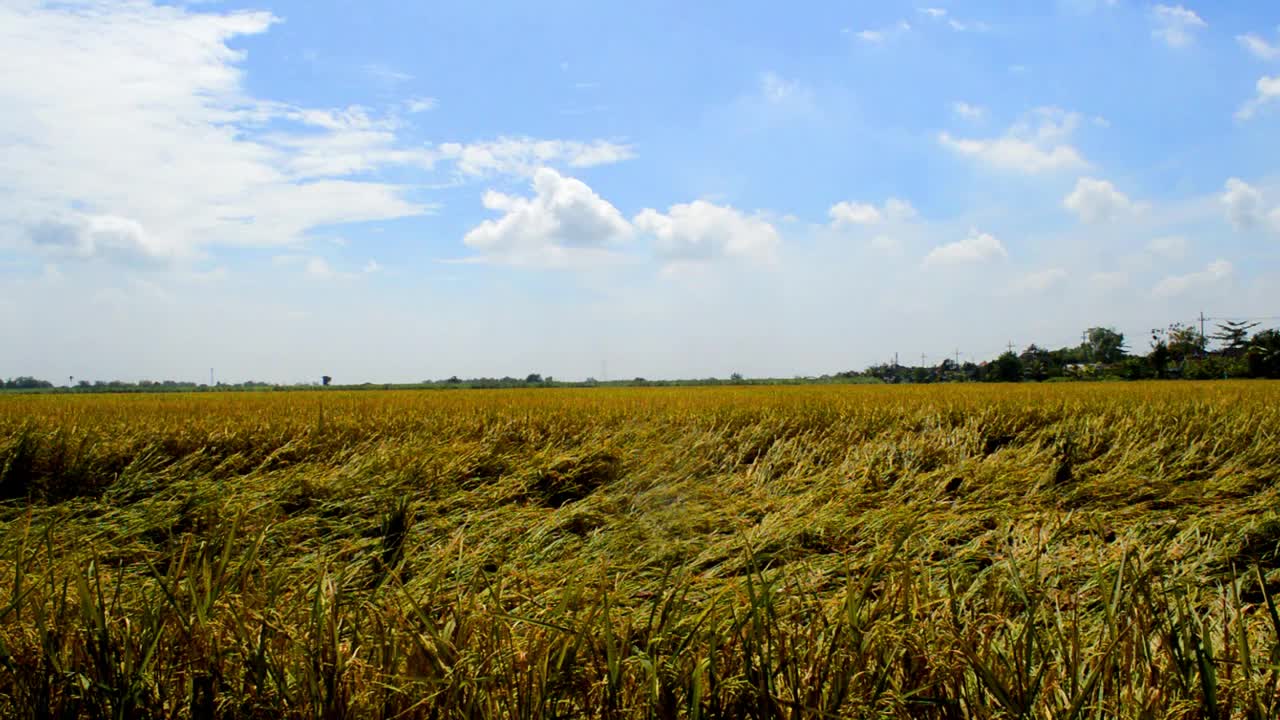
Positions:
{"x": 26, "y": 382}
{"x": 1185, "y": 341}
{"x": 1233, "y": 336}
{"x": 1006, "y": 368}
{"x": 1036, "y": 363}
{"x": 1105, "y": 345}
{"x": 1181, "y": 341}
{"x": 1263, "y": 355}
{"x": 1160, "y": 355}
{"x": 325, "y": 380}
{"x": 735, "y": 377}
{"x": 533, "y": 378}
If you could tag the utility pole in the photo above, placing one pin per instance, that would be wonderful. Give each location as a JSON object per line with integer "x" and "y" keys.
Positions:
{"x": 210, "y": 377}
{"x": 922, "y": 361}
{"x": 895, "y": 359}
{"x": 1203, "y": 345}
{"x": 1010, "y": 347}
{"x": 957, "y": 357}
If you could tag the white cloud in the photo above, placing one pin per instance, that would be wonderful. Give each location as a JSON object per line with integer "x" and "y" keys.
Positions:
{"x": 940, "y": 14}
{"x": 371, "y": 267}
{"x": 777, "y": 90}
{"x": 898, "y": 210}
{"x": 1036, "y": 144}
{"x": 977, "y": 247}
{"x": 1217, "y": 272}
{"x": 1176, "y": 25}
{"x": 99, "y": 236}
{"x": 881, "y": 35}
{"x": 850, "y": 213}
{"x": 129, "y": 124}
{"x": 385, "y": 75}
{"x": 700, "y": 231}
{"x": 421, "y": 104}
{"x": 968, "y": 25}
{"x": 1038, "y": 281}
{"x": 1258, "y": 45}
{"x": 312, "y": 266}
{"x": 1268, "y": 92}
{"x": 1097, "y": 201}
{"x": 846, "y": 213}
{"x": 1170, "y": 247}
{"x": 564, "y": 223}
{"x": 968, "y": 111}
{"x": 1243, "y": 204}
{"x": 136, "y": 116}
{"x": 524, "y": 156}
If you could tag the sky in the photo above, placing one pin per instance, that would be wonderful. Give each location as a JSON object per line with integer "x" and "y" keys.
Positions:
{"x": 392, "y": 192}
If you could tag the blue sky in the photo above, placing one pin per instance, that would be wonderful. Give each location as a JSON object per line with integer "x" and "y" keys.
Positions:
{"x": 396, "y": 191}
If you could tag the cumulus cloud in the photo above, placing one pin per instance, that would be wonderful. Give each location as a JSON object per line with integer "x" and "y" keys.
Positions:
{"x": 99, "y": 236}
{"x": 1243, "y": 204}
{"x": 1268, "y": 91}
{"x": 846, "y": 213}
{"x": 703, "y": 231}
{"x": 1036, "y": 144}
{"x": 1217, "y": 272}
{"x": 851, "y": 213}
{"x": 1097, "y": 201}
{"x": 978, "y": 247}
{"x": 565, "y": 222}
{"x": 1175, "y": 25}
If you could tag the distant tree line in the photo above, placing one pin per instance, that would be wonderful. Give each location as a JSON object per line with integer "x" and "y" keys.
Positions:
{"x": 25, "y": 383}
{"x": 1234, "y": 350}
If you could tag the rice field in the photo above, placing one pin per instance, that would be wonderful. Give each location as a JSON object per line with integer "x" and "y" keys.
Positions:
{"x": 1023, "y": 551}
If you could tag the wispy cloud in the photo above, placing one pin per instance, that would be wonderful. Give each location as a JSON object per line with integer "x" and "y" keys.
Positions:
{"x": 968, "y": 111}
{"x": 1268, "y": 91}
{"x": 1175, "y": 25}
{"x": 877, "y": 36}
{"x": 1258, "y": 46}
